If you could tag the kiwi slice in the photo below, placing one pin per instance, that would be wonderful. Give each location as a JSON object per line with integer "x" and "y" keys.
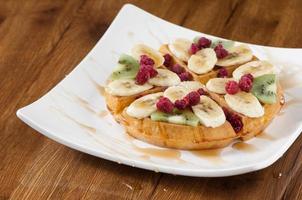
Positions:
{"x": 160, "y": 116}
{"x": 191, "y": 118}
{"x": 227, "y": 44}
{"x": 127, "y": 68}
{"x": 185, "y": 117}
{"x": 265, "y": 88}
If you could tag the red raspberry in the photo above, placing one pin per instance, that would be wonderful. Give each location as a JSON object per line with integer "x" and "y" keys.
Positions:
{"x": 201, "y": 91}
{"x": 232, "y": 87}
{"x": 149, "y": 69}
{"x": 168, "y": 60}
{"x": 181, "y": 104}
{"x": 142, "y": 77}
{"x": 245, "y": 83}
{"x": 193, "y": 49}
{"x": 177, "y": 69}
{"x": 204, "y": 43}
{"x": 185, "y": 76}
{"x": 222, "y": 73}
{"x": 236, "y": 123}
{"x": 250, "y": 76}
{"x": 234, "y": 119}
{"x": 193, "y": 98}
{"x": 165, "y": 105}
{"x": 145, "y": 60}
{"x": 220, "y": 51}
{"x": 227, "y": 113}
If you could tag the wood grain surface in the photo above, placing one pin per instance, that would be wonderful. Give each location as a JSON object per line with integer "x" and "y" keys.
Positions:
{"x": 42, "y": 40}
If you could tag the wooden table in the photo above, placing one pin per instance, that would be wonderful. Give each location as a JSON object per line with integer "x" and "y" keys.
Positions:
{"x": 42, "y": 40}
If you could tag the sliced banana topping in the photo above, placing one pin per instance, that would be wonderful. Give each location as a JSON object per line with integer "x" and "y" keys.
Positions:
{"x": 164, "y": 78}
{"x": 256, "y": 68}
{"x": 217, "y": 85}
{"x": 237, "y": 55}
{"x": 142, "y": 49}
{"x": 180, "y": 48}
{"x": 175, "y": 92}
{"x": 144, "y": 106}
{"x": 203, "y": 61}
{"x": 245, "y": 103}
{"x": 209, "y": 112}
{"x": 182, "y": 89}
{"x": 192, "y": 85}
{"x": 126, "y": 87}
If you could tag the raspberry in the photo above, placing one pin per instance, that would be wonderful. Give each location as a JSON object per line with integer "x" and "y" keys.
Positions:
{"x": 201, "y": 91}
{"x": 236, "y": 123}
{"x": 185, "y": 76}
{"x": 165, "y": 105}
{"x": 149, "y": 69}
{"x": 220, "y": 51}
{"x": 222, "y": 73}
{"x": 245, "y": 83}
{"x": 204, "y": 43}
{"x": 142, "y": 77}
{"x": 181, "y": 104}
{"x": 250, "y": 76}
{"x": 168, "y": 60}
{"x": 177, "y": 69}
{"x": 193, "y": 49}
{"x": 227, "y": 113}
{"x": 193, "y": 98}
{"x": 145, "y": 60}
{"x": 232, "y": 87}
{"x": 234, "y": 119}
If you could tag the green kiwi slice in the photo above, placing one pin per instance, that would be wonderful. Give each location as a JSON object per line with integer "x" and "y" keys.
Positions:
{"x": 127, "y": 68}
{"x": 265, "y": 88}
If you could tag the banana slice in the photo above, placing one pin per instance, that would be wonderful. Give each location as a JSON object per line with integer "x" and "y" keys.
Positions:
{"x": 180, "y": 48}
{"x": 142, "y": 49}
{"x": 192, "y": 85}
{"x": 176, "y": 92}
{"x": 203, "y": 61}
{"x": 144, "y": 106}
{"x": 217, "y": 85}
{"x": 237, "y": 55}
{"x": 164, "y": 78}
{"x": 256, "y": 68}
{"x": 126, "y": 87}
{"x": 245, "y": 103}
{"x": 210, "y": 114}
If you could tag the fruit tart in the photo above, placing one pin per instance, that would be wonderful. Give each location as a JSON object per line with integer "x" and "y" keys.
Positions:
{"x": 182, "y": 99}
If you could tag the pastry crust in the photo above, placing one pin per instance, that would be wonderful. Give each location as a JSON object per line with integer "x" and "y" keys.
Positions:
{"x": 177, "y": 136}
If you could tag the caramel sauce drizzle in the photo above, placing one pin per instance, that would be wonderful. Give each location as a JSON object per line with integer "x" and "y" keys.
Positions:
{"x": 245, "y": 147}
{"x": 213, "y": 155}
{"x": 266, "y": 136}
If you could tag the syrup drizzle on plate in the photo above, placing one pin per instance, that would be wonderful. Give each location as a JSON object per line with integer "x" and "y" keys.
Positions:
{"x": 162, "y": 153}
{"x": 213, "y": 155}
{"x": 245, "y": 147}
{"x": 266, "y": 136}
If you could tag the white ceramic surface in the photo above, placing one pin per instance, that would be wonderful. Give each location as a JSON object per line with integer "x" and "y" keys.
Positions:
{"x": 74, "y": 113}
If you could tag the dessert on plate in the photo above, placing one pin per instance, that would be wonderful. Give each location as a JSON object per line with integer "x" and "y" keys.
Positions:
{"x": 197, "y": 94}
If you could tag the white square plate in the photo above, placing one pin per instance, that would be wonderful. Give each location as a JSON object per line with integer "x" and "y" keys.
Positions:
{"x": 74, "y": 112}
